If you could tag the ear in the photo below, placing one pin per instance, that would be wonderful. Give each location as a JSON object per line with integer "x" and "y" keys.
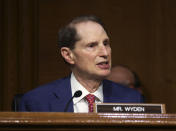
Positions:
{"x": 67, "y": 55}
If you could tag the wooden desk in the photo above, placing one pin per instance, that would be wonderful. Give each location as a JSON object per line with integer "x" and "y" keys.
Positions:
{"x": 86, "y": 121}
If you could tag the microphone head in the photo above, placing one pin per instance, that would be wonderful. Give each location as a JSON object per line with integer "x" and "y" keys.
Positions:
{"x": 78, "y": 93}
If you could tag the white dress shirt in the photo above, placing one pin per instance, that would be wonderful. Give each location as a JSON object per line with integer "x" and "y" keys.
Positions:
{"x": 80, "y": 104}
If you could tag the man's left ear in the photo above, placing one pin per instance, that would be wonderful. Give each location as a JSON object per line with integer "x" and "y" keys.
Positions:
{"x": 67, "y": 55}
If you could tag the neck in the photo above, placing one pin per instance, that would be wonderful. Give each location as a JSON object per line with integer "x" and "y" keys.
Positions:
{"x": 90, "y": 84}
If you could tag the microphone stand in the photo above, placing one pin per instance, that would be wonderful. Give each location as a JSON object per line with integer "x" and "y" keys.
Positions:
{"x": 76, "y": 94}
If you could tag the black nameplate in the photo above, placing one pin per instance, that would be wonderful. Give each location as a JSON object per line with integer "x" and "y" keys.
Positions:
{"x": 128, "y": 108}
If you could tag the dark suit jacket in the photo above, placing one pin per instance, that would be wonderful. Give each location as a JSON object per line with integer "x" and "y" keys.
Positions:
{"x": 54, "y": 96}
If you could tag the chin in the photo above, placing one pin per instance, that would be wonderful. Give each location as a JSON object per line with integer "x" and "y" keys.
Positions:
{"x": 105, "y": 74}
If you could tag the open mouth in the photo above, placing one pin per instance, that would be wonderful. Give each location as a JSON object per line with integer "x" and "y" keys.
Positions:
{"x": 104, "y": 65}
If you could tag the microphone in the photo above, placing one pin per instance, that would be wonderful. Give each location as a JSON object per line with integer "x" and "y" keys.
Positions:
{"x": 76, "y": 94}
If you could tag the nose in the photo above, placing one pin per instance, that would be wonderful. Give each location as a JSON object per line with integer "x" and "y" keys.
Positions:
{"x": 104, "y": 51}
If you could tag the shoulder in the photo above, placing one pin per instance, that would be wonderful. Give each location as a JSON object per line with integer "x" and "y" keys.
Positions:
{"x": 118, "y": 91}
{"x": 115, "y": 86}
{"x": 46, "y": 90}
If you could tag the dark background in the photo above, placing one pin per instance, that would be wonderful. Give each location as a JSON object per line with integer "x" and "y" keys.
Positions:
{"x": 143, "y": 36}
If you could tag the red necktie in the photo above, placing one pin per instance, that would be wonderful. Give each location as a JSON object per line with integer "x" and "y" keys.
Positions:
{"x": 90, "y": 99}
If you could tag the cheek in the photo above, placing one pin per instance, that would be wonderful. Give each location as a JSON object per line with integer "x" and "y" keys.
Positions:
{"x": 82, "y": 60}
{"x": 87, "y": 56}
{"x": 109, "y": 51}
{"x": 84, "y": 57}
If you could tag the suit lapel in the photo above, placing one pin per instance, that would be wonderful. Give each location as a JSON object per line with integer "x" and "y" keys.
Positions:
{"x": 107, "y": 91}
{"x": 62, "y": 94}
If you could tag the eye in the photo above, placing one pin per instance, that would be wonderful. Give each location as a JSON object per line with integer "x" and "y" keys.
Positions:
{"x": 106, "y": 42}
{"x": 93, "y": 44}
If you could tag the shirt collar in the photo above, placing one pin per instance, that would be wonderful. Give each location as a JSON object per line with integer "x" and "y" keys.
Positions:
{"x": 75, "y": 86}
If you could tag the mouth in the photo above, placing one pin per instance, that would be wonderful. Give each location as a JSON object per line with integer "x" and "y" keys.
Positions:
{"x": 103, "y": 65}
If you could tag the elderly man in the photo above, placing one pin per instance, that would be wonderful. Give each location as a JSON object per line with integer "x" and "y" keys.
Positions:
{"x": 85, "y": 46}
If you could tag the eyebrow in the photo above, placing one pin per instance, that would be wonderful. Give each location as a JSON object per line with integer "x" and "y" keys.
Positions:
{"x": 107, "y": 39}
{"x": 92, "y": 42}
{"x": 95, "y": 42}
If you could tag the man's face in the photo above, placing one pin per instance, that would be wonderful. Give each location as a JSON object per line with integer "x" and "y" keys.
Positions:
{"x": 92, "y": 53}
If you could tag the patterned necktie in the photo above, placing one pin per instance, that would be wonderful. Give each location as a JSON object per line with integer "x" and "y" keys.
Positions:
{"x": 90, "y": 99}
